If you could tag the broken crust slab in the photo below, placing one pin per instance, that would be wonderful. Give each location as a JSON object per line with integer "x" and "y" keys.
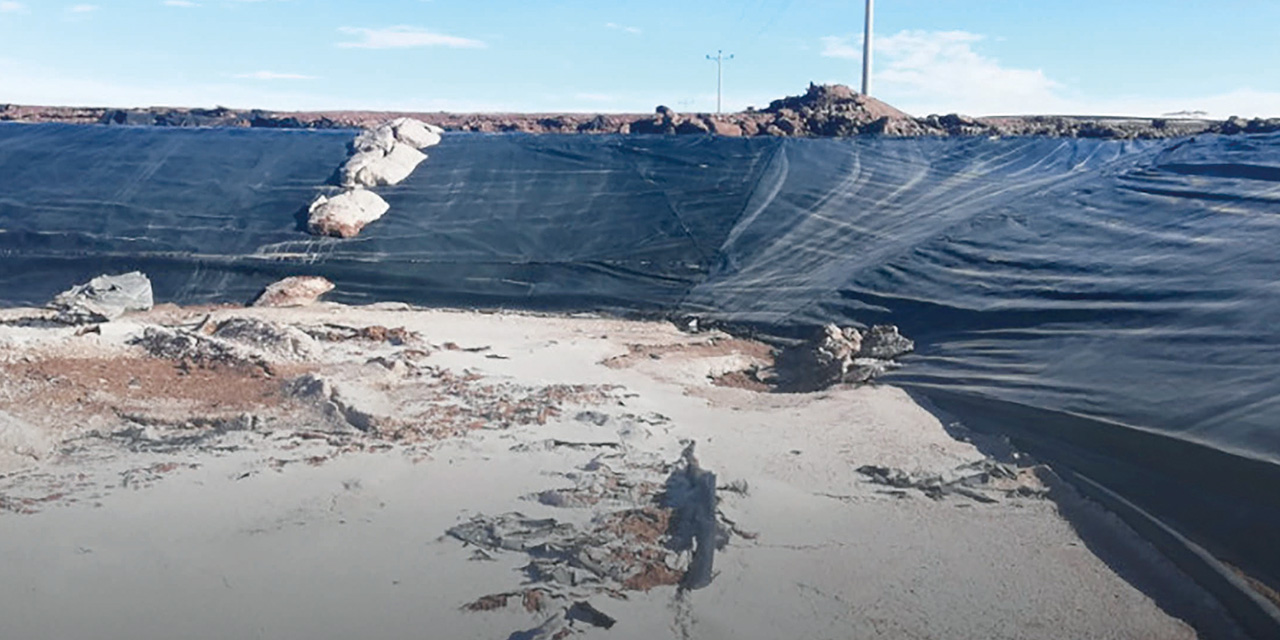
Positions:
{"x": 104, "y": 298}
{"x": 346, "y": 214}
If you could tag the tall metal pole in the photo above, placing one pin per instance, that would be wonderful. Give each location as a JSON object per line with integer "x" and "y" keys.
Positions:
{"x": 866, "y": 49}
{"x": 719, "y": 60}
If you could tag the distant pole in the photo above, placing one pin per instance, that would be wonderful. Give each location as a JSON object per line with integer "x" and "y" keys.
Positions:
{"x": 719, "y": 59}
{"x": 866, "y": 49}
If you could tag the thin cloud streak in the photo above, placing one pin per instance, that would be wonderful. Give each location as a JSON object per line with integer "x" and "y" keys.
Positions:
{"x": 273, "y": 75}
{"x": 617, "y": 27}
{"x": 404, "y": 37}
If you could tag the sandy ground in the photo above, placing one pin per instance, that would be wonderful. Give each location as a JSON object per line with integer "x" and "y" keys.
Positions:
{"x": 383, "y": 472}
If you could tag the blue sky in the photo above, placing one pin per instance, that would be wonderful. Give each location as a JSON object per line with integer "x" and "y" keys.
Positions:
{"x": 975, "y": 56}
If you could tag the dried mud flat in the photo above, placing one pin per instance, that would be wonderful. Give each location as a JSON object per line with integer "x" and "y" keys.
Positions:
{"x": 390, "y": 472}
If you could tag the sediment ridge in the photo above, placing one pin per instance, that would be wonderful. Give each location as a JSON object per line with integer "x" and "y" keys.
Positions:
{"x": 822, "y": 111}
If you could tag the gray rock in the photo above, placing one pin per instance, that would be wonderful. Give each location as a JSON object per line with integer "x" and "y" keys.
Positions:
{"x": 104, "y": 298}
{"x": 884, "y": 342}
{"x": 839, "y": 355}
{"x": 375, "y": 167}
{"x": 294, "y": 291}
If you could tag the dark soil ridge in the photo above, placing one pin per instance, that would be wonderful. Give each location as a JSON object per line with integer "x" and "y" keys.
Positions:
{"x": 823, "y": 111}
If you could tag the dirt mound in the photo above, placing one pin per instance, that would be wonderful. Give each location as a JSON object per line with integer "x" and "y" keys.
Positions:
{"x": 822, "y": 111}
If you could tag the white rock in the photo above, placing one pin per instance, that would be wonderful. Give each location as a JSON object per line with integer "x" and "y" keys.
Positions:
{"x": 380, "y": 139}
{"x": 296, "y": 291}
{"x": 372, "y": 168}
{"x": 416, "y": 133}
{"x": 344, "y": 215}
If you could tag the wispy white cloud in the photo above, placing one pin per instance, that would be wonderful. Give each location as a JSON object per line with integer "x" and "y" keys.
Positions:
{"x": 837, "y": 47}
{"x": 37, "y": 83}
{"x": 9, "y": 6}
{"x": 944, "y": 63}
{"x": 273, "y": 75}
{"x": 82, "y": 8}
{"x": 618, "y": 27}
{"x": 941, "y": 72}
{"x": 180, "y": 3}
{"x": 404, "y": 37}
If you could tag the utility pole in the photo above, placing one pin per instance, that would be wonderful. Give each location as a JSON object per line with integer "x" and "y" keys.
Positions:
{"x": 866, "y": 49}
{"x": 719, "y": 59}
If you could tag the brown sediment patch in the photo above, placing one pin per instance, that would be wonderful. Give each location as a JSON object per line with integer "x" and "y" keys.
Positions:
{"x": 741, "y": 380}
{"x": 535, "y": 600}
{"x": 714, "y": 347}
{"x": 122, "y": 384}
{"x": 395, "y": 336}
{"x": 489, "y": 602}
{"x": 532, "y": 600}
{"x": 449, "y": 404}
{"x": 641, "y": 533}
{"x": 1260, "y": 587}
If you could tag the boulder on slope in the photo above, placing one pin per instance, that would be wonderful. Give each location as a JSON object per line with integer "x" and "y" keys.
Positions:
{"x": 295, "y": 291}
{"x": 344, "y": 215}
{"x": 374, "y": 167}
{"x": 415, "y": 133}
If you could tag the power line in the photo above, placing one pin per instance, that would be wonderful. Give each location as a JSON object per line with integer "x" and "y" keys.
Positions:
{"x": 773, "y": 21}
{"x": 719, "y": 59}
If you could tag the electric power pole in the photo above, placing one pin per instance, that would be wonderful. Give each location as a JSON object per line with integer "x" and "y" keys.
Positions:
{"x": 866, "y": 49}
{"x": 719, "y": 59}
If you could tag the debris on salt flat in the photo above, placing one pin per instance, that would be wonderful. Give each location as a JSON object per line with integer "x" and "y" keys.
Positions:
{"x": 644, "y": 535}
{"x": 104, "y": 298}
{"x": 835, "y": 355}
{"x": 981, "y": 481}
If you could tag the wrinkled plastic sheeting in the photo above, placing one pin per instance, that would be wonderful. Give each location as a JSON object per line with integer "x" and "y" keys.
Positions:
{"x": 215, "y": 215}
{"x": 1127, "y": 283}
{"x": 1052, "y": 272}
{"x": 1120, "y": 280}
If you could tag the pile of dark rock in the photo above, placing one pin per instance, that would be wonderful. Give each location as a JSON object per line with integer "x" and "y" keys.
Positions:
{"x": 839, "y": 355}
{"x": 822, "y": 111}
{"x": 216, "y": 117}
